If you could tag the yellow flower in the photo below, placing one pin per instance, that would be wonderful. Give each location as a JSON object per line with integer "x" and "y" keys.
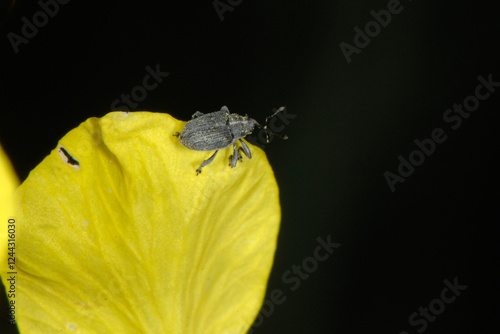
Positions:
{"x": 8, "y": 184}
{"x": 117, "y": 233}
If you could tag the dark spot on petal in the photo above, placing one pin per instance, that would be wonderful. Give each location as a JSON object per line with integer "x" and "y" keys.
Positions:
{"x": 68, "y": 158}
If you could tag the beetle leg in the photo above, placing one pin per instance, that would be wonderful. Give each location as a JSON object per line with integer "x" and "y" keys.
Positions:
{"x": 233, "y": 159}
{"x": 206, "y": 162}
{"x": 177, "y": 134}
{"x": 224, "y": 108}
{"x": 196, "y": 114}
{"x": 240, "y": 156}
{"x": 245, "y": 149}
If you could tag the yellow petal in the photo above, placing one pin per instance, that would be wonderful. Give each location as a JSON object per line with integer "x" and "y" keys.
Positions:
{"x": 117, "y": 233}
{"x": 8, "y": 184}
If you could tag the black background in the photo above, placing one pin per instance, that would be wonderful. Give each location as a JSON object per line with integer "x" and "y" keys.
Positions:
{"x": 353, "y": 121}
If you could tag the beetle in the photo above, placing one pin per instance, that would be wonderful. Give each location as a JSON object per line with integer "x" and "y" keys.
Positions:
{"x": 219, "y": 130}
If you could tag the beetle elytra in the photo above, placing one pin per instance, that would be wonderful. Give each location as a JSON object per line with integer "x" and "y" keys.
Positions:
{"x": 219, "y": 130}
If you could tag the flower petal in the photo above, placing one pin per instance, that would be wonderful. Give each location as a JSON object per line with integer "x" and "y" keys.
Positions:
{"x": 8, "y": 182}
{"x": 118, "y": 234}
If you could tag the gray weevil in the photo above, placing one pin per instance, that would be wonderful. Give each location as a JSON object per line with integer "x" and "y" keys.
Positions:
{"x": 219, "y": 130}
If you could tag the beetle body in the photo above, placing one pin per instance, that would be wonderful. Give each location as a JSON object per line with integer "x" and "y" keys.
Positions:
{"x": 219, "y": 130}
{"x": 215, "y": 131}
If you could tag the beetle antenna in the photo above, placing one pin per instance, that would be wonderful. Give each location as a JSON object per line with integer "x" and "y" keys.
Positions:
{"x": 280, "y": 109}
{"x": 269, "y": 132}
